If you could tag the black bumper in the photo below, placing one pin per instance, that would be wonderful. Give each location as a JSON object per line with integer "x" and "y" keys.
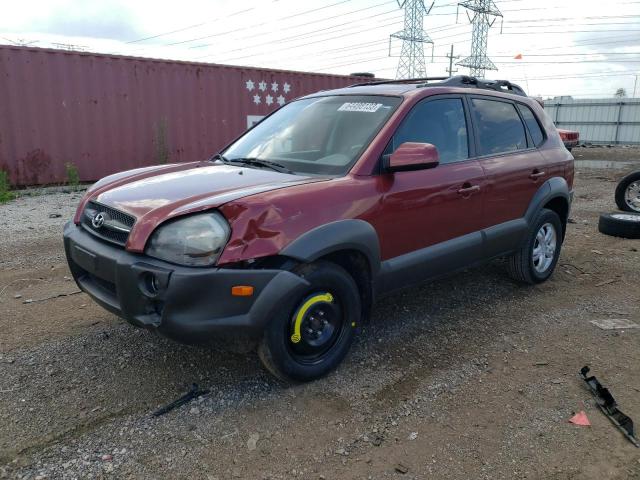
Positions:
{"x": 189, "y": 305}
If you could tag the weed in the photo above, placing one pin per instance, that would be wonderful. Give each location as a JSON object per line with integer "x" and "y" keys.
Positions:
{"x": 73, "y": 177}
{"x": 5, "y": 193}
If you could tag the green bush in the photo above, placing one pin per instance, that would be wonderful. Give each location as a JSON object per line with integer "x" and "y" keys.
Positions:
{"x": 5, "y": 193}
{"x": 73, "y": 177}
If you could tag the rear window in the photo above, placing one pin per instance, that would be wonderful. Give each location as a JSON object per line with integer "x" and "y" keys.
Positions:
{"x": 532, "y": 124}
{"x": 499, "y": 127}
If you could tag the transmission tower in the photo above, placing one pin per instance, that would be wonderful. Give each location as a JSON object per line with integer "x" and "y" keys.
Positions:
{"x": 485, "y": 13}
{"x": 413, "y": 36}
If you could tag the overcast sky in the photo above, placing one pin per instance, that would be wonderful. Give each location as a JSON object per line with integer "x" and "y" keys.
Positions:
{"x": 584, "y": 48}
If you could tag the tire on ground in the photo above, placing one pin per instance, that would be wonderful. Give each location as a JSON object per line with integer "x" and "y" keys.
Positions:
{"x": 520, "y": 265}
{"x": 620, "y": 224}
{"x": 621, "y": 191}
{"x": 276, "y": 349}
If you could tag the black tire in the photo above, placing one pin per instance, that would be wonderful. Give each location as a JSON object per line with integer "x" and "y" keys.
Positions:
{"x": 521, "y": 265}
{"x": 620, "y": 224}
{"x": 621, "y": 190}
{"x": 334, "y": 299}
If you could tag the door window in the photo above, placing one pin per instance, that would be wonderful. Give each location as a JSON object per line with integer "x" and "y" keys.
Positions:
{"x": 439, "y": 122}
{"x": 532, "y": 124}
{"x": 499, "y": 127}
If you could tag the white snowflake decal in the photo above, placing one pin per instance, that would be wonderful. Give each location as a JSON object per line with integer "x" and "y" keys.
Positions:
{"x": 249, "y": 85}
{"x": 281, "y": 100}
{"x": 274, "y": 86}
{"x": 262, "y": 85}
{"x": 256, "y": 99}
{"x": 268, "y": 99}
{"x": 286, "y": 87}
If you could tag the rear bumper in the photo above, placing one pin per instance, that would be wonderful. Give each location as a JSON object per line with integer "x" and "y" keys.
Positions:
{"x": 189, "y": 305}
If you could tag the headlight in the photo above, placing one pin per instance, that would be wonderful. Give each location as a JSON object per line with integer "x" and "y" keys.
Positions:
{"x": 195, "y": 241}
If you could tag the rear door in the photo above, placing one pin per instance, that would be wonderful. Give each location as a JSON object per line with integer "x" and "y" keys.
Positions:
{"x": 423, "y": 208}
{"x": 513, "y": 167}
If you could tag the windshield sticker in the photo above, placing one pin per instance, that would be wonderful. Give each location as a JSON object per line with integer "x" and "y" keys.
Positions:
{"x": 359, "y": 107}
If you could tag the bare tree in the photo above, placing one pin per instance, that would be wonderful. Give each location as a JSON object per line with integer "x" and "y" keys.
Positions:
{"x": 620, "y": 93}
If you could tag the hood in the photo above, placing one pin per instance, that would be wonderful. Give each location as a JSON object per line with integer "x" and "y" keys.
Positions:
{"x": 155, "y": 196}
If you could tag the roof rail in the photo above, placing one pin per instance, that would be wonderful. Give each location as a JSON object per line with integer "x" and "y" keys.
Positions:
{"x": 504, "y": 86}
{"x": 405, "y": 80}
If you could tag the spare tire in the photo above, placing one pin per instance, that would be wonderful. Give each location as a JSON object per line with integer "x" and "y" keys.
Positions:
{"x": 628, "y": 193}
{"x": 620, "y": 224}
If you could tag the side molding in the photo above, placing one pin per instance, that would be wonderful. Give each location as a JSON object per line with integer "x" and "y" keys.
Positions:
{"x": 339, "y": 235}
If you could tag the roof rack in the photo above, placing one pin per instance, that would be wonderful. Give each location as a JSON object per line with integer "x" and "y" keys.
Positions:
{"x": 504, "y": 86}
{"x": 465, "y": 81}
{"x": 404, "y": 80}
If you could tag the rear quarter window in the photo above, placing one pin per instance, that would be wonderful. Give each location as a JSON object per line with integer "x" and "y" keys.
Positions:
{"x": 499, "y": 127}
{"x": 532, "y": 124}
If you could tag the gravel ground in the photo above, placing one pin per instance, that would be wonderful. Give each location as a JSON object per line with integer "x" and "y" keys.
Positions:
{"x": 473, "y": 376}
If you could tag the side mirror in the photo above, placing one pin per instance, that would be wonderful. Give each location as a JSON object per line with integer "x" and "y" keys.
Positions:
{"x": 412, "y": 156}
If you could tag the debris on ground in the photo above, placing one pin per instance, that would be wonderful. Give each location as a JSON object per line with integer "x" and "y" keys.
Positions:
{"x": 192, "y": 394}
{"x": 400, "y": 468}
{"x": 252, "y": 443}
{"x": 614, "y": 323}
{"x": 581, "y": 419}
{"x": 609, "y": 407}
{"x": 35, "y": 300}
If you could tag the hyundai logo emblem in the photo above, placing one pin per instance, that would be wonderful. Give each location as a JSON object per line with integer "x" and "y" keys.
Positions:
{"x": 98, "y": 220}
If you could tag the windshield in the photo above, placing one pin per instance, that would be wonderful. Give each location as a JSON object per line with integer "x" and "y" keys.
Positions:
{"x": 322, "y": 135}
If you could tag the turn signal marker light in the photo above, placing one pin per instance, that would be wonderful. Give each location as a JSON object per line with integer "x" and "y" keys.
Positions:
{"x": 242, "y": 291}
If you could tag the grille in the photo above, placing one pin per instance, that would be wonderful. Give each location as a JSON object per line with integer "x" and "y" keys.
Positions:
{"x": 116, "y": 226}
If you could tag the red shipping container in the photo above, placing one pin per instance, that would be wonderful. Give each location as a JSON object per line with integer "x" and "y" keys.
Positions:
{"x": 107, "y": 113}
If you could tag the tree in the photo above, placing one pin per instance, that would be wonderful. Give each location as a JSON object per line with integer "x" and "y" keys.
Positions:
{"x": 620, "y": 93}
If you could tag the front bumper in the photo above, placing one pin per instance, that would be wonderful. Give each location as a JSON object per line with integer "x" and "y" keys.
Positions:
{"x": 187, "y": 304}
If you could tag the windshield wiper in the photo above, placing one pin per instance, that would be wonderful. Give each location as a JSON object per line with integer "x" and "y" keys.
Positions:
{"x": 218, "y": 156}
{"x": 258, "y": 162}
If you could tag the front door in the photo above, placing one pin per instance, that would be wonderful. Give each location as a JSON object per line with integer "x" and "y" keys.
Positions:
{"x": 430, "y": 220}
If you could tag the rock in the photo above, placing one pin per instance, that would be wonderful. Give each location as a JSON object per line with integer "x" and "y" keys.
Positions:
{"x": 17, "y": 295}
{"x": 253, "y": 441}
{"x": 412, "y": 436}
{"x": 55, "y": 215}
{"x": 400, "y": 468}
{"x": 341, "y": 451}
{"x": 106, "y": 458}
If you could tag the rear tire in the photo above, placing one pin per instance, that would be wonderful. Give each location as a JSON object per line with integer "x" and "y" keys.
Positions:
{"x": 537, "y": 258}
{"x": 312, "y": 334}
{"x": 628, "y": 193}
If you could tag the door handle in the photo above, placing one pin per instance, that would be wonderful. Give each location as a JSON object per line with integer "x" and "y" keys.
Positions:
{"x": 536, "y": 174}
{"x": 468, "y": 189}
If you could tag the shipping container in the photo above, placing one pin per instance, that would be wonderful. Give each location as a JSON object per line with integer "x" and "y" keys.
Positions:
{"x": 108, "y": 113}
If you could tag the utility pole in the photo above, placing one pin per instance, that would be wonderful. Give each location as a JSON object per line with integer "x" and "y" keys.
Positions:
{"x": 451, "y": 58}
{"x": 635, "y": 84}
{"x": 413, "y": 36}
{"x": 485, "y": 13}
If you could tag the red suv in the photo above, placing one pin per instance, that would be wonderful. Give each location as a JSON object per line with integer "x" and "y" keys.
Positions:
{"x": 284, "y": 240}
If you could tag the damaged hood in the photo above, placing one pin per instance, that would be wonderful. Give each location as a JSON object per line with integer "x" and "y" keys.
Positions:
{"x": 157, "y": 194}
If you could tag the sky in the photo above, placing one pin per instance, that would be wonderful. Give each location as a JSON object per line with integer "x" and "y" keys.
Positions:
{"x": 582, "y": 48}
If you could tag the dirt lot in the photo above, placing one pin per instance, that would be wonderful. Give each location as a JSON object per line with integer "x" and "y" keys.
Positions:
{"x": 470, "y": 377}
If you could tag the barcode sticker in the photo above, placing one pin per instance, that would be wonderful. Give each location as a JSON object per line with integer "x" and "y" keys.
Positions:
{"x": 359, "y": 107}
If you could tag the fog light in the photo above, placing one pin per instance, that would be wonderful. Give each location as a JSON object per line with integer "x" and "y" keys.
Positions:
{"x": 150, "y": 283}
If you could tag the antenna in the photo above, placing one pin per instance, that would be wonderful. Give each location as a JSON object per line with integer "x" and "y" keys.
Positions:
{"x": 413, "y": 36}
{"x": 482, "y": 21}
